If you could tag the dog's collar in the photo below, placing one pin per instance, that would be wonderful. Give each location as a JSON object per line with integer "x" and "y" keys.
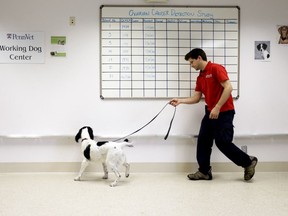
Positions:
{"x": 83, "y": 139}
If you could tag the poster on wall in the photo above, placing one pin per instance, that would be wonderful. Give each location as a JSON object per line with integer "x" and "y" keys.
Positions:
{"x": 262, "y": 50}
{"x": 58, "y": 46}
{"x": 283, "y": 34}
{"x": 22, "y": 47}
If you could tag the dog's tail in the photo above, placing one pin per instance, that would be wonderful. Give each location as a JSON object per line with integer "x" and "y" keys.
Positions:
{"x": 126, "y": 143}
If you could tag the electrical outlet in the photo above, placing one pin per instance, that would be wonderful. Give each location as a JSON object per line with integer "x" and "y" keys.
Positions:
{"x": 244, "y": 149}
{"x": 72, "y": 20}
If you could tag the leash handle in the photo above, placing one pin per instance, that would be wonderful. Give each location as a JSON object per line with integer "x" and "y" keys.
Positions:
{"x": 149, "y": 123}
{"x": 170, "y": 124}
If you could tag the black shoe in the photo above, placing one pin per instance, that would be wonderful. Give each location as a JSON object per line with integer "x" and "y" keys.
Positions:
{"x": 250, "y": 170}
{"x": 200, "y": 176}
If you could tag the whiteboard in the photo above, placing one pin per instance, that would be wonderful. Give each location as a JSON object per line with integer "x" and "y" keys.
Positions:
{"x": 142, "y": 48}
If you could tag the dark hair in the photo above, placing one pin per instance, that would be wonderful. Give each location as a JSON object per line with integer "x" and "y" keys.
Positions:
{"x": 195, "y": 53}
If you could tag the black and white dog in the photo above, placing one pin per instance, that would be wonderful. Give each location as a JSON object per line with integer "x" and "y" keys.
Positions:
{"x": 110, "y": 154}
{"x": 262, "y": 47}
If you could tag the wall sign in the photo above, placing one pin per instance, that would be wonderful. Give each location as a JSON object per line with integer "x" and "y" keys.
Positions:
{"x": 21, "y": 47}
{"x": 58, "y": 44}
{"x": 142, "y": 48}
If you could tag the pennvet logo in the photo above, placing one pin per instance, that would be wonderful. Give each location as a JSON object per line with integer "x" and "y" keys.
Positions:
{"x": 20, "y": 37}
{"x": 208, "y": 76}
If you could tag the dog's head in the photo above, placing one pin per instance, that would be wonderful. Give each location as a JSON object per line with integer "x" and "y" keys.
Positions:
{"x": 283, "y": 31}
{"x": 262, "y": 46}
{"x": 85, "y": 132}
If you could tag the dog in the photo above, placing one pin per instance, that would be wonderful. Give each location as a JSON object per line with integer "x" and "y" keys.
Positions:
{"x": 110, "y": 154}
{"x": 283, "y": 31}
{"x": 262, "y": 47}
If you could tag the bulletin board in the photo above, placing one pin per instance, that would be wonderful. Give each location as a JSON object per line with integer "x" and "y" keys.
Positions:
{"x": 142, "y": 48}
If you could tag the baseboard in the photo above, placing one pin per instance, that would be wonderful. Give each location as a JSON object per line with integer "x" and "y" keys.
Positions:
{"x": 138, "y": 167}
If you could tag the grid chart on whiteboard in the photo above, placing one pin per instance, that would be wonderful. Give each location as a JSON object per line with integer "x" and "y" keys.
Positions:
{"x": 144, "y": 57}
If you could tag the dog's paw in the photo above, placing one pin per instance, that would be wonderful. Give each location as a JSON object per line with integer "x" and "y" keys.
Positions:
{"x": 105, "y": 177}
{"x": 127, "y": 175}
{"x": 113, "y": 184}
{"x": 77, "y": 178}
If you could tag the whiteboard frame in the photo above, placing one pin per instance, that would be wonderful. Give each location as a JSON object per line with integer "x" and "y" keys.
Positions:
{"x": 169, "y": 6}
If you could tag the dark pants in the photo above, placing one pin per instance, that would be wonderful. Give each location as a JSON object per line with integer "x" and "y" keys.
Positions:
{"x": 221, "y": 130}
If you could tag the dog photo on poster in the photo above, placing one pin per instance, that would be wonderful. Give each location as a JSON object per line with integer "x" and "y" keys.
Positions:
{"x": 262, "y": 50}
{"x": 283, "y": 34}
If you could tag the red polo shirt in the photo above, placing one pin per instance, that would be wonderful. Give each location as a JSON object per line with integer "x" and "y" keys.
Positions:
{"x": 208, "y": 82}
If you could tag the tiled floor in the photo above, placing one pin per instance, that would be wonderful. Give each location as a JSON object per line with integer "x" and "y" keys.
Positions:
{"x": 167, "y": 194}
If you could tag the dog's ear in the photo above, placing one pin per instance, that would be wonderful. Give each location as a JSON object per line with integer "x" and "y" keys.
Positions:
{"x": 90, "y": 131}
{"x": 280, "y": 29}
{"x": 285, "y": 28}
{"x": 265, "y": 46}
{"x": 78, "y": 135}
{"x": 258, "y": 46}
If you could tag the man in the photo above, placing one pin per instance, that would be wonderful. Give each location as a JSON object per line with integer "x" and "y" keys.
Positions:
{"x": 217, "y": 123}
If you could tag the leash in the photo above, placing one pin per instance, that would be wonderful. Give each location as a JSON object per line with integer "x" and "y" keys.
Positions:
{"x": 166, "y": 136}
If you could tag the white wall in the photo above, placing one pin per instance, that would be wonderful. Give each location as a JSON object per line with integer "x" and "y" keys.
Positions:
{"x": 58, "y": 97}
